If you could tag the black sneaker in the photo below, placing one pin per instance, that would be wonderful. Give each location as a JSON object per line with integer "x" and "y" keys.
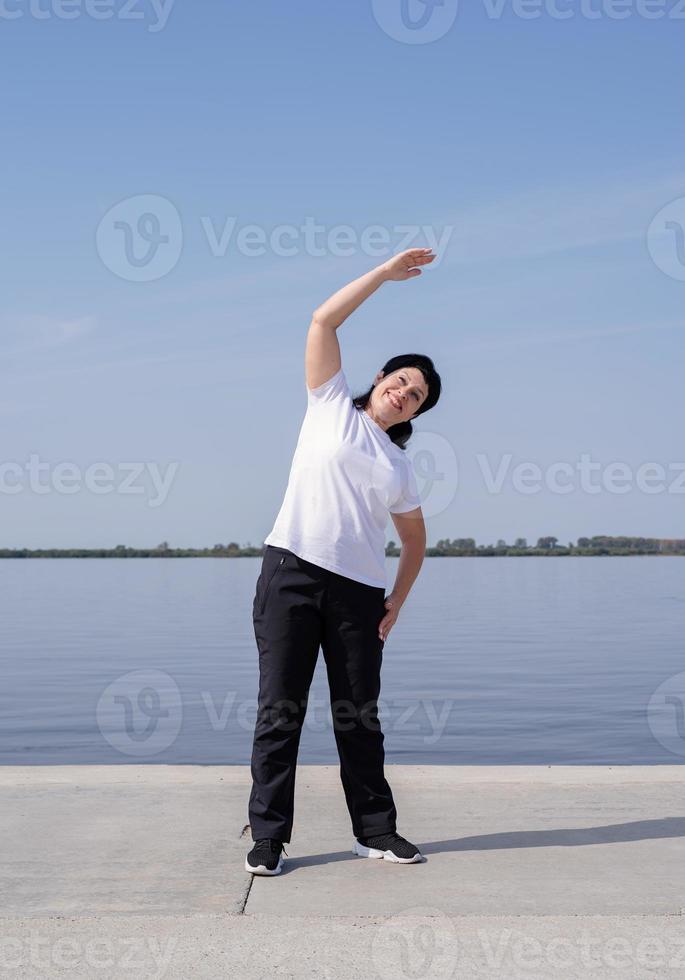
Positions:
{"x": 265, "y": 857}
{"x": 391, "y": 847}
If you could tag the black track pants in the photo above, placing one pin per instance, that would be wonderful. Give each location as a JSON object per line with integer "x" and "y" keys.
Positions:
{"x": 299, "y": 606}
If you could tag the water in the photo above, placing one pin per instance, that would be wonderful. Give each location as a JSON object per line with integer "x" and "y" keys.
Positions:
{"x": 493, "y": 661}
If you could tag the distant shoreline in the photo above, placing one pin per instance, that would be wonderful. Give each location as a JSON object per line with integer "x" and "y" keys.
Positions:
{"x": 598, "y": 546}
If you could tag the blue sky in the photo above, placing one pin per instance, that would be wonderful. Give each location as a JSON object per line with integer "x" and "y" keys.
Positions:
{"x": 538, "y": 151}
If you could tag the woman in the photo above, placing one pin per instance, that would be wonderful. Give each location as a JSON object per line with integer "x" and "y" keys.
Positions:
{"x": 322, "y": 579}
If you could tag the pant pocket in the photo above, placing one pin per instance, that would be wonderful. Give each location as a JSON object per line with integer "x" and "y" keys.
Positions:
{"x": 268, "y": 575}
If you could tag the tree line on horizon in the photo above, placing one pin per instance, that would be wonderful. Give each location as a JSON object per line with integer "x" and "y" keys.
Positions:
{"x": 445, "y": 547}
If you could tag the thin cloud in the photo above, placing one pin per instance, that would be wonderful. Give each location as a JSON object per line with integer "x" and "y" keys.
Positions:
{"x": 558, "y": 218}
{"x": 562, "y": 336}
{"x": 31, "y": 333}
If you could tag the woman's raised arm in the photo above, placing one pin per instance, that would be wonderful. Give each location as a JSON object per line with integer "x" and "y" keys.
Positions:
{"x": 322, "y": 351}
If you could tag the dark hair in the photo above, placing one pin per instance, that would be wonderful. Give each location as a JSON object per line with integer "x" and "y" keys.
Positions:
{"x": 401, "y": 433}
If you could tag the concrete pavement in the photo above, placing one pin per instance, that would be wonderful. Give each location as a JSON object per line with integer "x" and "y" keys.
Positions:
{"x": 532, "y": 871}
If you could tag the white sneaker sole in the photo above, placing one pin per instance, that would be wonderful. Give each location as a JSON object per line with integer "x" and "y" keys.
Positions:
{"x": 262, "y": 869}
{"x": 373, "y": 852}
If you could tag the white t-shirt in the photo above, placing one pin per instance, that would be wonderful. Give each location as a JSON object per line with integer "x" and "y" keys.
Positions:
{"x": 346, "y": 475}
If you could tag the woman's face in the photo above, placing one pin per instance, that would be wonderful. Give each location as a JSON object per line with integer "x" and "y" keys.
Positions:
{"x": 398, "y": 396}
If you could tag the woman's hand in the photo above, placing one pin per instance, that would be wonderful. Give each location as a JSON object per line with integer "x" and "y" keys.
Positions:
{"x": 405, "y": 264}
{"x": 393, "y": 606}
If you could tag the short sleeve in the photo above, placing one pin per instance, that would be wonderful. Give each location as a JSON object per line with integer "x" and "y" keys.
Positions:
{"x": 408, "y": 498}
{"x": 331, "y": 390}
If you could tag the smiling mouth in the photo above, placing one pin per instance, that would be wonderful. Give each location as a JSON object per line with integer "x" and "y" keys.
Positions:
{"x": 394, "y": 403}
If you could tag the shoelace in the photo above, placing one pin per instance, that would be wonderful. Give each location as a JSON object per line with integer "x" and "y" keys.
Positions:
{"x": 383, "y": 839}
{"x": 384, "y": 842}
{"x": 272, "y": 844}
